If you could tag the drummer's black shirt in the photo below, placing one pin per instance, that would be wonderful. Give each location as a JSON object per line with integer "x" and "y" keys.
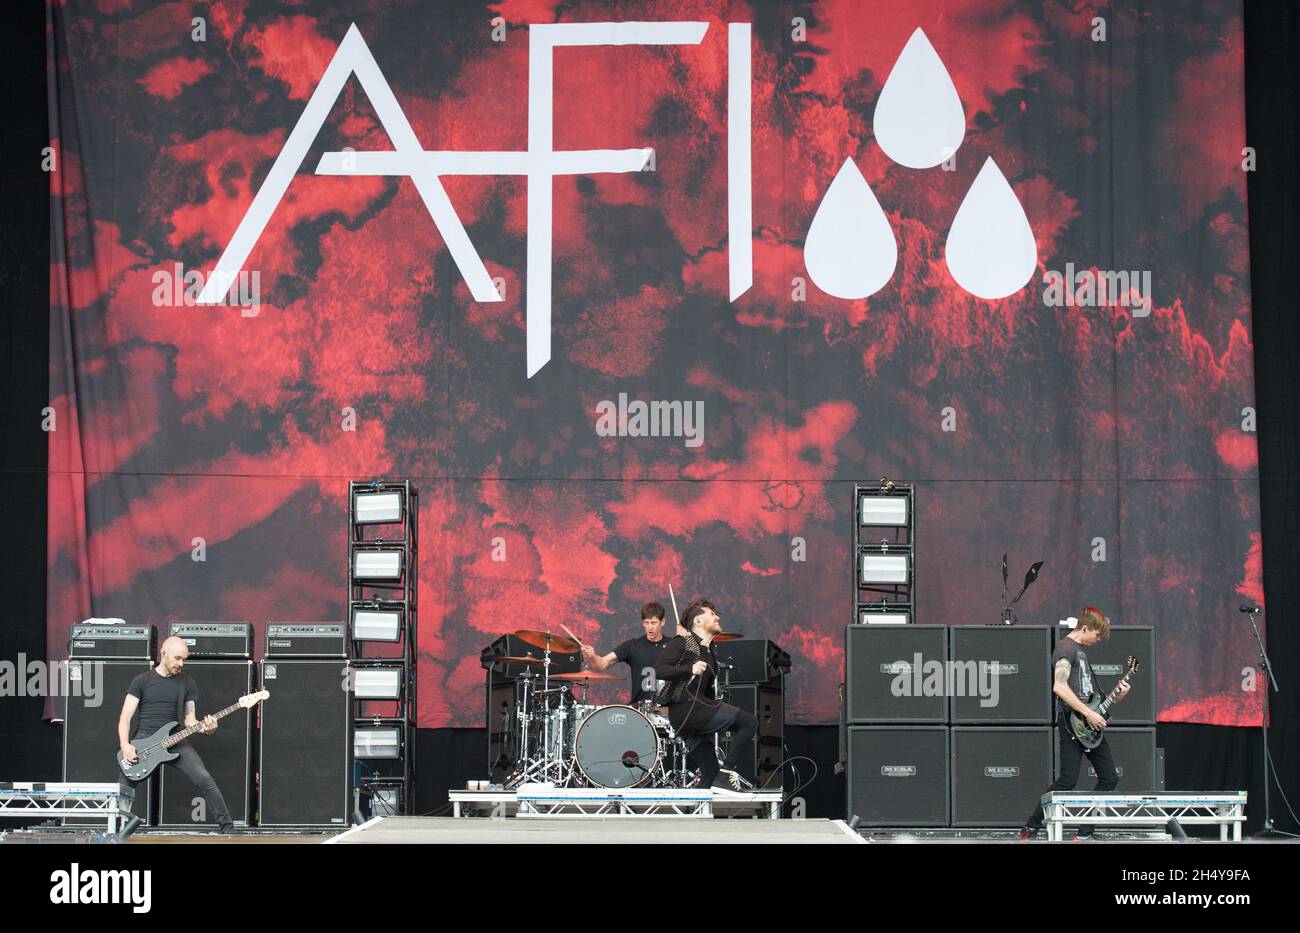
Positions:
{"x": 641, "y": 655}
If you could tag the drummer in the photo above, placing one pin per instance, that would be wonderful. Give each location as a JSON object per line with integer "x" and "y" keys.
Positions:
{"x": 639, "y": 654}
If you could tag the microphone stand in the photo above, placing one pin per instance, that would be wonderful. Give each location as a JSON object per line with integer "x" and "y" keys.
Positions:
{"x": 1269, "y": 831}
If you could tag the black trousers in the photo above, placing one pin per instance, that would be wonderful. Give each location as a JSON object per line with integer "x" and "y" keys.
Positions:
{"x": 1071, "y": 757}
{"x": 699, "y": 739}
{"x": 191, "y": 765}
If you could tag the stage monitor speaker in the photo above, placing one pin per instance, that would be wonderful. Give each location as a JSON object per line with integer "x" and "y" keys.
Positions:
{"x": 766, "y": 702}
{"x": 898, "y": 775}
{"x": 754, "y": 660}
{"x": 1133, "y": 749}
{"x": 226, "y": 753}
{"x": 90, "y": 741}
{"x": 1006, "y": 666}
{"x": 884, "y": 683}
{"x": 998, "y": 773}
{"x": 305, "y": 745}
{"x": 1107, "y": 662}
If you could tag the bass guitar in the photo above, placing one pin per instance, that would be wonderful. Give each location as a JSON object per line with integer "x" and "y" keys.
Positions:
{"x": 157, "y": 748}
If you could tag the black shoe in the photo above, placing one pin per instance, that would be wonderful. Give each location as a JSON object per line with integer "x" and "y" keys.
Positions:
{"x": 728, "y": 780}
{"x": 1084, "y": 836}
{"x": 227, "y": 829}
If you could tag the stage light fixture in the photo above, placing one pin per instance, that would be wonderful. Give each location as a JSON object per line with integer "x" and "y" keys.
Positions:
{"x": 883, "y": 510}
{"x": 377, "y": 564}
{"x": 377, "y": 683}
{"x": 381, "y": 742}
{"x": 884, "y": 568}
{"x": 883, "y": 617}
{"x": 376, "y": 623}
{"x": 376, "y": 508}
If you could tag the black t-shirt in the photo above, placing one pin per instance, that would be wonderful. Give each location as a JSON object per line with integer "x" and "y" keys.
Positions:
{"x": 1081, "y": 680}
{"x": 162, "y": 699}
{"x": 641, "y": 654}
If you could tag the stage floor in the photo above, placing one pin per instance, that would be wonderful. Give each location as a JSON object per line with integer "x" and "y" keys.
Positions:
{"x": 665, "y": 830}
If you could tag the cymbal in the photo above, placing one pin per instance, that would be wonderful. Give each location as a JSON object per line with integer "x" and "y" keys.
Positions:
{"x": 527, "y": 660}
{"x": 540, "y": 640}
{"x": 582, "y": 676}
{"x": 728, "y": 636}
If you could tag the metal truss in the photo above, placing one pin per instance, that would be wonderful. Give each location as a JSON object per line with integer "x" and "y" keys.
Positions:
{"x": 1226, "y": 810}
{"x": 27, "y": 800}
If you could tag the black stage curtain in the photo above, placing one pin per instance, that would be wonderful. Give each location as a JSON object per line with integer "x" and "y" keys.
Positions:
{"x": 1198, "y": 757}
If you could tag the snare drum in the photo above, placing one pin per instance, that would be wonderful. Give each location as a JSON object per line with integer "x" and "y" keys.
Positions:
{"x": 616, "y": 746}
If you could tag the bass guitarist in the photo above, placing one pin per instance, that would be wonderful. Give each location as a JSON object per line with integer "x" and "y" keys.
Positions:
{"x": 162, "y": 694}
{"x": 1074, "y": 684}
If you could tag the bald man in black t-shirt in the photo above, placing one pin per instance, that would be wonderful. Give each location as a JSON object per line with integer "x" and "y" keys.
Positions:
{"x": 160, "y": 695}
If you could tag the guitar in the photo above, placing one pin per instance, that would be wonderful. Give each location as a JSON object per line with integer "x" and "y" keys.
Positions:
{"x": 156, "y": 749}
{"x": 1085, "y": 734}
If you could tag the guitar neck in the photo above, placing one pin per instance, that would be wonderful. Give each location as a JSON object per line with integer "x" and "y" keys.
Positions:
{"x": 1110, "y": 697}
{"x": 197, "y": 727}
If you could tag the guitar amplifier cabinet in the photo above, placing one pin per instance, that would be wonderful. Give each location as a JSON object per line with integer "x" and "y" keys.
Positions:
{"x": 227, "y": 753}
{"x": 1002, "y": 674}
{"x": 305, "y": 743}
{"x": 1135, "y": 755}
{"x": 215, "y": 639}
{"x": 883, "y": 681}
{"x": 898, "y": 775}
{"x": 90, "y": 730}
{"x": 1107, "y": 661}
{"x": 113, "y": 641}
{"x": 998, "y": 772}
{"x": 306, "y": 640}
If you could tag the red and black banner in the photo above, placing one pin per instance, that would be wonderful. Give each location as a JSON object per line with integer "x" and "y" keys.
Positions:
{"x": 635, "y": 292}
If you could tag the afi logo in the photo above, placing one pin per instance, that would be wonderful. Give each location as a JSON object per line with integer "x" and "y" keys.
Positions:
{"x": 850, "y": 251}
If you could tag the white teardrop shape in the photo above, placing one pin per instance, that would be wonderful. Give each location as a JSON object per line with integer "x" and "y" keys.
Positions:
{"x": 850, "y": 250}
{"x": 991, "y": 250}
{"x": 919, "y": 121}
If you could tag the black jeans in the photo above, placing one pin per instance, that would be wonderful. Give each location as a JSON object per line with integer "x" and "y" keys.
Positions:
{"x": 1071, "y": 756}
{"x": 191, "y": 765}
{"x": 699, "y": 741}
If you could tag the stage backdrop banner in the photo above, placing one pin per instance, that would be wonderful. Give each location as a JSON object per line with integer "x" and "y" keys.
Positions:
{"x": 635, "y": 292}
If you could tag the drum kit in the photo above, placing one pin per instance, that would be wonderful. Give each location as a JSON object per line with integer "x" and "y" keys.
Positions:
{"x": 566, "y": 741}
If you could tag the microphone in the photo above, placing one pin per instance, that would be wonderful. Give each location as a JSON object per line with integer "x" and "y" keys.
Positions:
{"x": 1250, "y": 610}
{"x": 633, "y": 760}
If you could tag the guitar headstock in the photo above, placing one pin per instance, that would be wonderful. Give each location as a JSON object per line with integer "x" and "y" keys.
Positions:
{"x": 1132, "y": 665}
{"x": 253, "y": 699}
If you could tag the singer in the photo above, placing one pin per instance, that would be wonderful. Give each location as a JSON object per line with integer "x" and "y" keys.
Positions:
{"x": 688, "y": 666}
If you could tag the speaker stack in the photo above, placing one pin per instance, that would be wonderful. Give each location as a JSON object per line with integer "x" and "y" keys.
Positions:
{"x": 756, "y": 684}
{"x": 935, "y": 739}
{"x": 897, "y": 734}
{"x": 90, "y": 741}
{"x": 306, "y": 742}
{"x": 227, "y": 753}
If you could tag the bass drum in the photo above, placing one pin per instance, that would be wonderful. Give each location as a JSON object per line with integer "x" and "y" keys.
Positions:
{"x": 616, "y": 746}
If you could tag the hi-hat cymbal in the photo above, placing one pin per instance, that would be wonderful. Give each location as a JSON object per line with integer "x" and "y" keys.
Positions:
{"x": 728, "y": 636}
{"x": 542, "y": 639}
{"x": 584, "y": 676}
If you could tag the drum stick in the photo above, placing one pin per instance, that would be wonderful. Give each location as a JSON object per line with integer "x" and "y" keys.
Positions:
{"x": 677, "y": 615}
{"x": 580, "y": 642}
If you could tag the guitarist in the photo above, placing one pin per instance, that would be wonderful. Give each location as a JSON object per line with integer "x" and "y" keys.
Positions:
{"x": 1074, "y": 684}
{"x": 160, "y": 695}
